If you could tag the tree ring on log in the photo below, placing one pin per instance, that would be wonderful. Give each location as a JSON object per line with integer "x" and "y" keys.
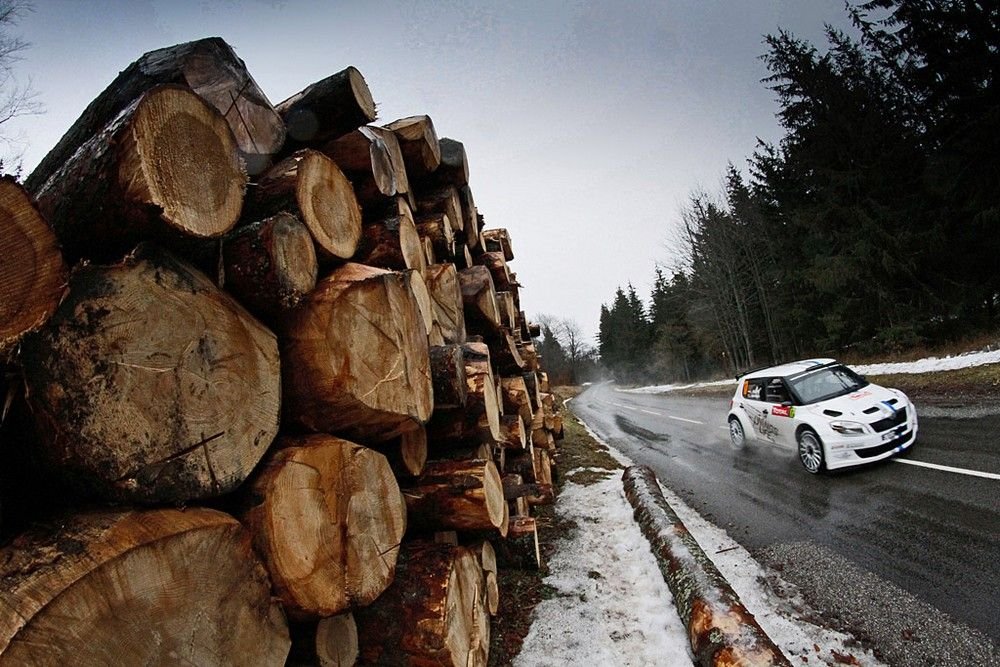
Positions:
{"x": 326, "y": 198}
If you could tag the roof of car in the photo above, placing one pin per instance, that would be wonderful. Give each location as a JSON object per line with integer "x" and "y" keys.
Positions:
{"x": 791, "y": 368}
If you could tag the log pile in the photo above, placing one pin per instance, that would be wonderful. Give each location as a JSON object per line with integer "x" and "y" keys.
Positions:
{"x": 269, "y": 390}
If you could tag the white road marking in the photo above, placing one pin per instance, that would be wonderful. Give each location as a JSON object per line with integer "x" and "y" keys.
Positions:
{"x": 682, "y": 419}
{"x": 961, "y": 471}
{"x": 622, "y": 405}
{"x": 651, "y": 412}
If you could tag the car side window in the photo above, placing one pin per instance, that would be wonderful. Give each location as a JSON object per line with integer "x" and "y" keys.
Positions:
{"x": 775, "y": 391}
{"x": 754, "y": 389}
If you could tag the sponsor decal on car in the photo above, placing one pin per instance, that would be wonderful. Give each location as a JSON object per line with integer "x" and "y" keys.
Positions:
{"x": 758, "y": 418}
{"x": 783, "y": 411}
{"x": 860, "y": 394}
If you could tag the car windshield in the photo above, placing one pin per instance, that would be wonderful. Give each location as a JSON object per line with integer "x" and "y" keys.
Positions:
{"x": 827, "y": 383}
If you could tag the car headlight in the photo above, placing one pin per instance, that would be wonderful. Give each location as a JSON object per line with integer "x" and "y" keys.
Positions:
{"x": 847, "y": 428}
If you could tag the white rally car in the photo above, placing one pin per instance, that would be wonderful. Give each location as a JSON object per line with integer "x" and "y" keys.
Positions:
{"x": 833, "y": 416}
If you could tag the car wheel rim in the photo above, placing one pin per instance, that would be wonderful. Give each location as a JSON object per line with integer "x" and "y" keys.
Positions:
{"x": 810, "y": 451}
{"x": 736, "y": 433}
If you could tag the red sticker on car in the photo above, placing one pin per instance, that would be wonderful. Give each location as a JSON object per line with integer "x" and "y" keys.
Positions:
{"x": 782, "y": 411}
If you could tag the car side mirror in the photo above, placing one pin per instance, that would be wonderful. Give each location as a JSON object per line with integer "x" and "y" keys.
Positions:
{"x": 786, "y": 404}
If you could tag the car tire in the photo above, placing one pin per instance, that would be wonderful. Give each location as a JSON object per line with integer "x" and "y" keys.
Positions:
{"x": 810, "y": 451}
{"x": 737, "y": 435}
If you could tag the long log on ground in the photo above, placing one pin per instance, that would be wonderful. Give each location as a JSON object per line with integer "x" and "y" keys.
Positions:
{"x": 392, "y": 242}
{"x": 419, "y": 143}
{"x": 495, "y": 262}
{"x": 448, "y": 372}
{"x": 270, "y": 265}
{"x": 498, "y": 240}
{"x": 446, "y": 298}
{"x": 446, "y": 201}
{"x": 127, "y": 587}
{"x": 327, "y": 519}
{"x": 512, "y": 431}
{"x": 721, "y": 630}
{"x": 480, "y": 299}
{"x": 310, "y": 185}
{"x": 328, "y": 109}
{"x": 151, "y": 384}
{"x": 437, "y": 228}
{"x": 211, "y": 69}
{"x": 520, "y": 549}
{"x": 166, "y": 169}
{"x": 329, "y": 642}
{"x": 456, "y": 495}
{"x": 432, "y": 614}
{"x": 371, "y": 158}
{"x": 32, "y": 273}
{"x": 355, "y": 358}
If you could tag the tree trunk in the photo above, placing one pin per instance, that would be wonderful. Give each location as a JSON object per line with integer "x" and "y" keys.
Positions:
{"x": 328, "y": 109}
{"x": 498, "y": 240}
{"x": 479, "y": 299}
{"x": 355, "y": 357}
{"x": 392, "y": 243}
{"x": 520, "y": 549}
{"x": 446, "y": 298}
{"x": 152, "y": 385}
{"x": 138, "y": 587}
{"x": 212, "y": 70}
{"x": 446, "y": 201}
{"x": 437, "y": 228}
{"x": 448, "y": 372}
{"x": 311, "y": 186}
{"x": 456, "y": 495}
{"x": 327, "y": 518}
{"x": 32, "y": 273}
{"x": 419, "y": 143}
{"x": 166, "y": 169}
{"x": 432, "y": 614}
{"x": 270, "y": 265}
{"x": 543, "y": 381}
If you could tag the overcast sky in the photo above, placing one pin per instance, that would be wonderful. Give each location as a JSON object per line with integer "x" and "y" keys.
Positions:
{"x": 587, "y": 124}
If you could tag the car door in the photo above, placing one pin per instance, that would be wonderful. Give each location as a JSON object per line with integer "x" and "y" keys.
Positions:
{"x": 758, "y": 410}
{"x": 781, "y": 412}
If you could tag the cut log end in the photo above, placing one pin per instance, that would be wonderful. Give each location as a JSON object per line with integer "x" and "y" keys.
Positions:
{"x": 329, "y": 206}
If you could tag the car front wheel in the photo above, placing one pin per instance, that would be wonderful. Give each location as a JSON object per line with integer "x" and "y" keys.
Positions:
{"x": 736, "y": 433}
{"x": 810, "y": 451}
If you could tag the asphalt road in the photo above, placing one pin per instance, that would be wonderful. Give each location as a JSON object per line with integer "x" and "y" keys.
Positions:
{"x": 932, "y": 532}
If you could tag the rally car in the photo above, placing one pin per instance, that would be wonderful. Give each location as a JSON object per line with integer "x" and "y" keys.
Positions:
{"x": 833, "y": 417}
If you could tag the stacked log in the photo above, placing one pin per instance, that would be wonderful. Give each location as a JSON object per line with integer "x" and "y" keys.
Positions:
{"x": 319, "y": 349}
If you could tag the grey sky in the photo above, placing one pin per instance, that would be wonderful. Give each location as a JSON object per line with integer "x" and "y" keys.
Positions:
{"x": 587, "y": 124}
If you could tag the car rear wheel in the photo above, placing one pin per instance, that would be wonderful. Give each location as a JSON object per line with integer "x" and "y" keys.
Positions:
{"x": 737, "y": 436}
{"x": 810, "y": 451}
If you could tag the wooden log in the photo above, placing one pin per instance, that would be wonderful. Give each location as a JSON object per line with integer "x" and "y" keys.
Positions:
{"x": 311, "y": 186}
{"x": 495, "y": 262}
{"x": 138, "y": 587}
{"x": 720, "y": 629}
{"x": 516, "y": 501}
{"x": 531, "y": 384}
{"x": 355, "y": 357}
{"x": 407, "y": 454}
{"x": 328, "y": 109}
{"x": 530, "y": 356}
{"x": 327, "y": 518}
{"x": 446, "y": 298}
{"x": 32, "y": 273}
{"x": 329, "y": 642}
{"x": 480, "y": 419}
{"x": 479, "y": 299}
{"x": 430, "y": 256}
{"x": 470, "y": 218}
{"x": 512, "y": 432}
{"x": 515, "y": 398}
{"x": 270, "y": 265}
{"x": 507, "y": 357}
{"x": 522, "y": 463}
{"x": 535, "y": 330}
{"x": 557, "y": 426}
{"x": 520, "y": 549}
{"x": 543, "y": 439}
{"x": 454, "y": 166}
{"x": 487, "y": 558}
{"x": 456, "y": 495}
{"x": 150, "y": 384}
{"x": 508, "y": 314}
{"x": 437, "y": 228}
{"x": 419, "y": 143}
{"x": 415, "y": 281}
{"x": 392, "y": 243}
{"x": 371, "y": 158}
{"x": 543, "y": 466}
{"x": 448, "y": 372}
{"x": 166, "y": 169}
{"x": 498, "y": 240}
{"x": 208, "y": 67}
{"x": 445, "y": 201}
{"x": 432, "y": 614}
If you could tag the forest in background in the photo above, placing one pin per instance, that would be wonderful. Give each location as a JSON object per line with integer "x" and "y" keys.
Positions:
{"x": 870, "y": 227}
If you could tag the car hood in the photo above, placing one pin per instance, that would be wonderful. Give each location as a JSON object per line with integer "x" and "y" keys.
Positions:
{"x": 868, "y": 404}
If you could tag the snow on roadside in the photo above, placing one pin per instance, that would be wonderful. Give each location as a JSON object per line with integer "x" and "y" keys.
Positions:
{"x": 572, "y": 628}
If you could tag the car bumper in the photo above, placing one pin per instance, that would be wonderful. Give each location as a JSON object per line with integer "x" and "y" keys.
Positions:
{"x": 843, "y": 452}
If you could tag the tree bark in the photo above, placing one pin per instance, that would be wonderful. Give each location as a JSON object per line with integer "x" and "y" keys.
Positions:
{"x": 508, "y": 313}
{"x": 138, "y": 587}
{"x": 208, "y": 67}
{"x": 355, "y": 357}
{"x": 446, "y": 298}
{"x": 419, "y": 143}
{"x": 327, "y": 517}
{"x": 32, "y": 274}
{"x": 432, "y": 614}
{"x": 166, "y": 169}
{"x": 372, "y": 159}
{"x": 328, "y": 109}
{"x": 150, "y": 384}
{"x": 454, "y": 166}
{"x": 270, "y": 265}
{"x": 531, "y": 384}
{"x": 450, "y": 381}
{"x": 311, "y": 186}
{"x": 456, "y": 495}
